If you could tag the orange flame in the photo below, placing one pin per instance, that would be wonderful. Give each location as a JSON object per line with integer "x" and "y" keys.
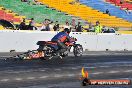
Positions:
{"x": 84, "y": 73}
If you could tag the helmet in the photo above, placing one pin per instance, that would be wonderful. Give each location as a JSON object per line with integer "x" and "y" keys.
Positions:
{"x": 67, "y": 30}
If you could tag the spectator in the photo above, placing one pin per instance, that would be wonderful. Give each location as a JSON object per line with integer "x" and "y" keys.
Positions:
{"x": 109, "y": 30}
{"x": 90, "y": 25}
{"x": 47, "y": 25}
{"x": 74, "y": 2}
{"x": 85, "y": 28}
{"x": 22, "y": 25}
{"x": 121, "y": 1}
{"x": 31, "y": 25}
{"x": 35, "y": 2}
{"x": 98, "y": 27}
{"x": 24, "y": 0}
{"x": 56, "y": 26}
{"x": 104, "y": 28}
{"x": 128, "y": 12}
{"x": 79, "y": 27}
{"x": 67, "y": 25}
{"x": 43, "y": 28}
{"x": 77, "y": 0}
{"x": 1, "y": 27}
{"x": 73, "y": 24}
{"x": 51, "y": 26}
{"x": 107, "y": 12}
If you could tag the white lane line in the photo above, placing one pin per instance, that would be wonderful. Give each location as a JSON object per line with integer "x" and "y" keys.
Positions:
{"x": 42, "y": 70}
{"x": 105, "y": 66}
{"x": 43, "y": 77}
{"x": 126, "y": 78}
{"x": 128, "y": 71}
{"x": 113, "y": 72}
{"x": 74, "y": 68}
{"x": 96, "y": 73}
{"x": 109, "y": 63}
{"x": 57, "y": 76}
{"x": 90, "y": 67}
{"x": 18, "y": 79}
{"x": 125, "y": 65}
{"x": 18, "y": 71}
{"x": 70, "y": 75}
{"x": 30, "y": 77}
{"x": 5, "y": 56}
{"x": 4, "y": 80}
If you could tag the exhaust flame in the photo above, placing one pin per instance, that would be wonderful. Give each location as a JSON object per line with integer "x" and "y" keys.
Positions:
{"x": 84, "y": 73}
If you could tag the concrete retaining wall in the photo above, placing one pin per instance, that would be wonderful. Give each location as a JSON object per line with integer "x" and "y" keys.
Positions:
{"x": 21, "y": 41}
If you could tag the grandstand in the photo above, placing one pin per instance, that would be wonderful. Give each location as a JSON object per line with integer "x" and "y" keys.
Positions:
{"x": 63, "y": 10}
{"x": 102, "y": 6}
{"x": 88, "y": 13}
{"x": 123, "y": 5}
{"x": 39, "y": 12}
{"x": 8, "y": 15}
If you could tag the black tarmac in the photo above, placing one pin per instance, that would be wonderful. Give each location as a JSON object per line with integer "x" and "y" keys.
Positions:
{"x": 66, "y": 73}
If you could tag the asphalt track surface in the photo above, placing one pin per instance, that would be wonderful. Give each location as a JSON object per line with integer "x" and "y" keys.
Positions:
{"x": 56, "y": 73}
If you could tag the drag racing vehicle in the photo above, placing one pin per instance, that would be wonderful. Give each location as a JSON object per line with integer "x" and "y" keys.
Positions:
{"x": 48, "y": 49}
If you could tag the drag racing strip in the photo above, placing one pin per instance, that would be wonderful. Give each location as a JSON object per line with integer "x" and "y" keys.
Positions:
{"x": 109, "y": 63}
{"x": 58, "y": 75}
{"x": 19, "y": 71}
{"x": 90, "y": 53}
{"x": 28, "y": 69}
{"x": 73, "y": 66}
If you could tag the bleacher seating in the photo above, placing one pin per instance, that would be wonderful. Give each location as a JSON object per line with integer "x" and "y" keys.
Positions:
{"x": 102, "y": 6}
{"x": 92, "y": 12}
{"x": 9, "y": 16}
{"x": 38, "y": 12}
{"x": 88, "y": 13}
{"x": 125, "y": 4}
